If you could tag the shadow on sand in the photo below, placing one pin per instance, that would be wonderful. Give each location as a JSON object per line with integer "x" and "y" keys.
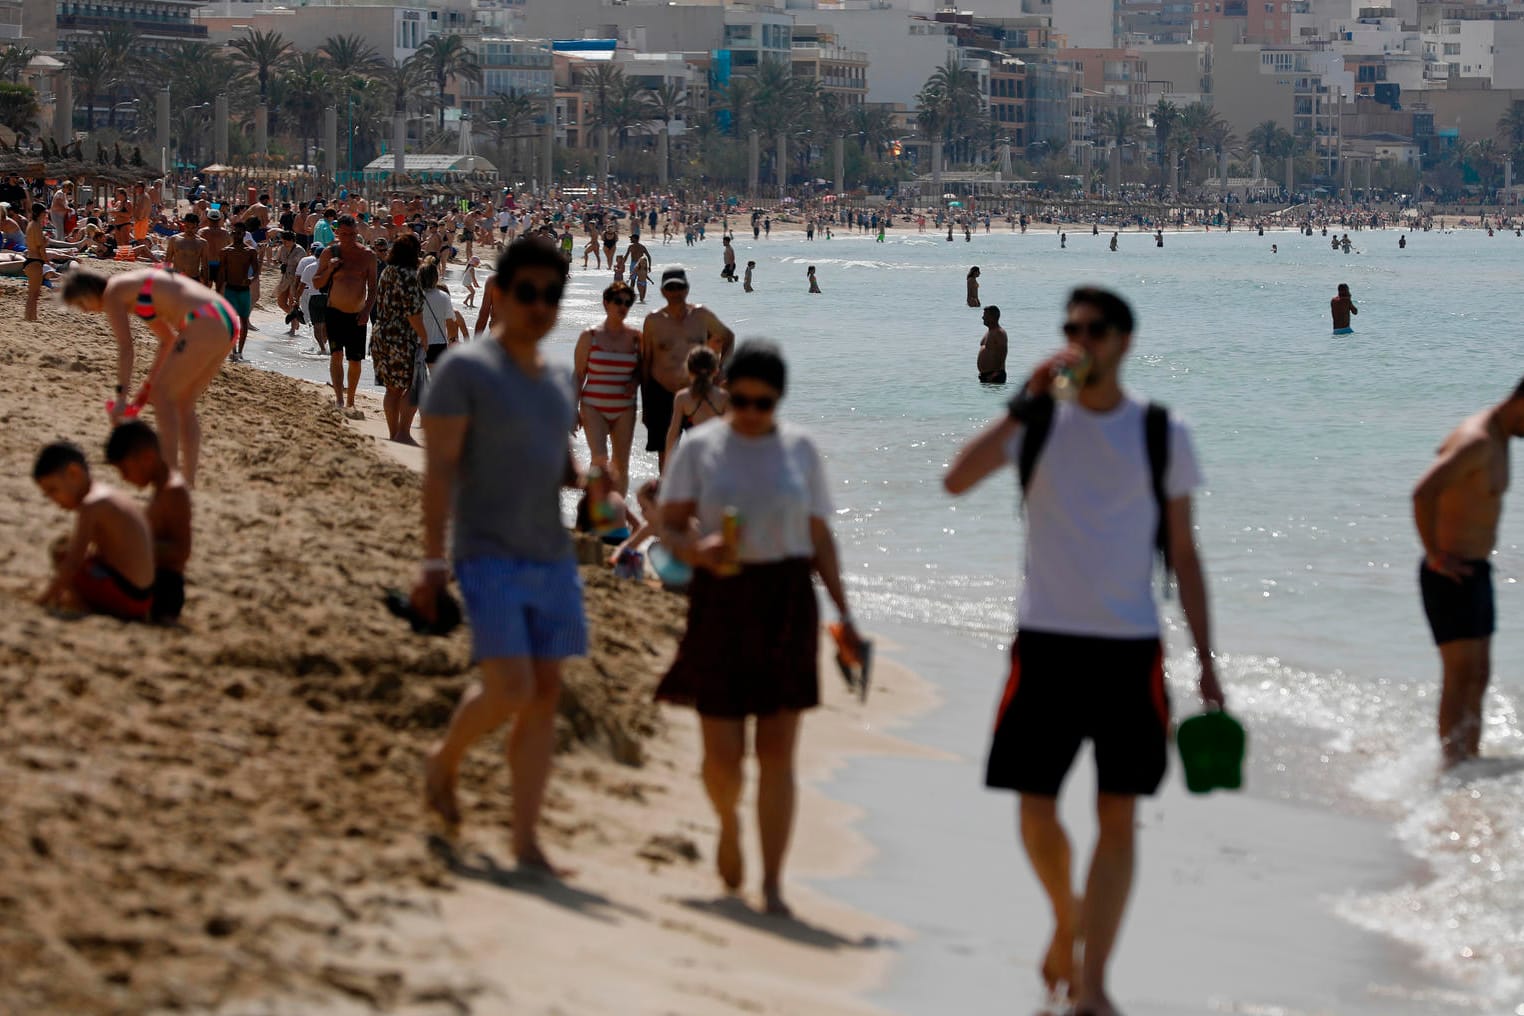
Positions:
{"x": 734, "y": 909}
{"x": 480, "y": 866}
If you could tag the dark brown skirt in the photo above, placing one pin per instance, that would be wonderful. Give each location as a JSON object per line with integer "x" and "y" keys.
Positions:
{"x": 752, "y": 644}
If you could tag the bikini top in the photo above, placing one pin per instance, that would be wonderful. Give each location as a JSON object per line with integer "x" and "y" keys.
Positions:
{"x": 687, "y": 423}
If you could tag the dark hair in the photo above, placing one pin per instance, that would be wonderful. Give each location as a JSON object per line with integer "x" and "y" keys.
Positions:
{"x": 761, "y": 361}
{"x": 57, "y": 457}
{"x": 1113, "y": 309}
{"x": 1344, "y": 287}
{"x": 191, "y": 217}
{"x": 404, "y": 252}
{"x": 128, "y": 439}
{"x": 82, "y": 282}
{"x": 428, "y": 273}
{"x": 1518, "y": 393}
{"x": 529, "y": 252}
{"x": 345, "y": 220}
{"x": 38, "y": 208}
{"x": 993, "y": 311}
{"x": 973, "y": 271}
{"x": 618, "y": 289}
{"x": 701, "y": 364}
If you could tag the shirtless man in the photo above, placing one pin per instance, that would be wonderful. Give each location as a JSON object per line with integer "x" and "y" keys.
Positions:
{"x": 142, "y": 209}
{"x": 217, "y": 240}
{"x": 665, "y": 341}
{"x": 186, "y": 251}
{"x": 992, "y": 349}
{"x": 58, "y": 210}
{"x": 134, "y": 450}
{"x": 1456, "y": 507}
{"x": 235, "y": 279}
{"x": 347, "y": 272}
{"x": 489, "y": 302}
{"x": 1342, "y": 306}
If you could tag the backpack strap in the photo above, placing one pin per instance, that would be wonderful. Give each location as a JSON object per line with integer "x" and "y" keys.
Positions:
{"x": 1156, "y": 435}
{"x": 1036, "y": 415}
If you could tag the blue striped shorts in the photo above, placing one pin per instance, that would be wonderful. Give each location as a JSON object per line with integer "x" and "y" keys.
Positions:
{"x": 520, "y": 608}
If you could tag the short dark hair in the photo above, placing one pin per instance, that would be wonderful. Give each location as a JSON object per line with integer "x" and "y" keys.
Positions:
{"x": 529, "y": 252}
{"x": 82, "y": 282}
{"x": 404, "y": 252}
{"x": 57, "y": 457}
{"x": 1518, "y": 393}
{"x": 993, "y": 311}
{"x": 760, "y": 361}
{"x": 345, "y": 220}
{"x": 128, "y": 439}
{"x": 1112, "y": 308}
{"x": 618, "y": 289}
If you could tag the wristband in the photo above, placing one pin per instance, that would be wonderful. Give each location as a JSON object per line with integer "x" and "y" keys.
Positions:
{"x": 434, "y": 565}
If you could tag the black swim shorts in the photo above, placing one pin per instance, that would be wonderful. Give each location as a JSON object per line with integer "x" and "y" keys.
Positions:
{"x": 168, "y": 596}
{"x": 1066, "y": 689}
{"x": 1459, "y": 610}
{"x": 345, "y": 334}
{"x": 317, "y": 308}
{"x": 992, "y": 377}
{"x": 656, "y": 411}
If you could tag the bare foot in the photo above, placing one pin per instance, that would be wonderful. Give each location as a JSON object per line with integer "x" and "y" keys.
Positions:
{"x": 1058, "y": 965}
{"x": 773, "y": 902}
{"x": 727, "y": 854}
{"x": 439, "y": 792}
{"x": 406, "y": 439}
{"x": 532, "y": 859}
{"x": 1095, "y": 1005}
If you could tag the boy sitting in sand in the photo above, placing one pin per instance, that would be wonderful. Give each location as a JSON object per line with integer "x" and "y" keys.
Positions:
{"x": 133, "y": 449}
{"x": 106, "y": 567}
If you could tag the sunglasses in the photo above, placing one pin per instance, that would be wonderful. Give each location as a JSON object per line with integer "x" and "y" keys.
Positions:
{"x": 621, "y": 302}
{"x": 526, "y": 294}
{"x": 1090, "y": 329}
{"x": 679, "y": 287}
{"x": 761, "y": 403}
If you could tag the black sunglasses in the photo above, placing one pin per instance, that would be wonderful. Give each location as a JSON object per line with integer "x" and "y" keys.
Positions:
{"x": 1090, "y": 329}
{"x": 619, "y": 301}
{"x": 675, "y": 285}
{"x": 761, "y": 403}
{"x": 526, "y": 294}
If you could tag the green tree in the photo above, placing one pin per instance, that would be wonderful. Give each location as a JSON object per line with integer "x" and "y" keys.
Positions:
{"x": 91, "y": 72}
{"x": 1165, "y": 118}
{"x": 18, "y": 109}
{"x": 262, "y": 53}
{"x": 446, "y": 57}
{"x": 508, "y": 117}
{"x": 873, "y": 127}
{"x": 13, "y": 62}
{"x": 1511, "y": 127}
{"x": 306, "y": 89}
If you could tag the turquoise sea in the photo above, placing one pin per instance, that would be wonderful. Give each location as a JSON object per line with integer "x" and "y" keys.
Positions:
{"x": 1310, "y": 445}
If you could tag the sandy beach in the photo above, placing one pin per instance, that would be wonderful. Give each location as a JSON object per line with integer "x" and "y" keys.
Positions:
{"x": 225, "y": 816}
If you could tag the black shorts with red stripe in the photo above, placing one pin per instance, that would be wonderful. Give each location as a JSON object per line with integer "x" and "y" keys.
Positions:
{"x": 1065, "y": 689}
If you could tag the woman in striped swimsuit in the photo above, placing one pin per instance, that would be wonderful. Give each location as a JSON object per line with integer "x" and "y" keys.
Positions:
{"x": 607, "y": 363}
{"x": 196, "y": 329}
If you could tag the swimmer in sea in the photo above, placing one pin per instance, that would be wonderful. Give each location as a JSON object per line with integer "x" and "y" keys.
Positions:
{"x": 814, "y": 282}
{"x": 973, "y": 286}
{"x": 747, "y": 283}
{"x": 992, "y": 349}
{"x": 1113, "y": 241}
{"x": 1342, "y": 306}
{"x": 1274, "y": 249}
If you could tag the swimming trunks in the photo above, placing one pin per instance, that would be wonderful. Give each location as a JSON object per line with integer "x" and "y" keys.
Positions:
{"x": 105, "y": 590}
{"x": 345, "y": 334}
{"x": 1065, "y": 689}
{"x": 168, "y": 595}
{"x": 1344, "y": 331}
{"x": 1459, "y": 610}
{"x": 317, "y": 308}
{"x": 992, "y": 377}
{"x": 656, "y": 412}
{"x": 606, "y": 387}
{"x": 241, "y": 298}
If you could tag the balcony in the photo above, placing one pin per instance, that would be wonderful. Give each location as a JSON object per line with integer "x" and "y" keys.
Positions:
{"x": 149, "y": 27}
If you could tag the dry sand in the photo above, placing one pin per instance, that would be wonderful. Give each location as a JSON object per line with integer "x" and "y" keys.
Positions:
{"x": 225, "y": 816}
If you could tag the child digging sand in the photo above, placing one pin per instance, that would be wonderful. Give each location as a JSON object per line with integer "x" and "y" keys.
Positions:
{"x": 133, "y": 449}
{"x": 106, "y": 567}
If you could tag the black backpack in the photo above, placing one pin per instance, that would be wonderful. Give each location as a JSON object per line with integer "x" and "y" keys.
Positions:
{"x": 1037, "y": 420}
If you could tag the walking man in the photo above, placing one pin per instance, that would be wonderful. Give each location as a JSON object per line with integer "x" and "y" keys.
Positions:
{"x": 1087, "y": 662}
{"x": 347, "y": 276}
{"x": 1456, "y": 507}
{"x": 489, "y": 403}
{"x": 667, "y": 337}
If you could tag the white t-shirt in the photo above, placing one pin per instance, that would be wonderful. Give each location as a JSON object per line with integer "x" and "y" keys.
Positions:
{"x": 1091, "y": 521}
{"x": 776, "y": 482}
{"x": 306, "y": 270}
{"x": 436, "y": 316}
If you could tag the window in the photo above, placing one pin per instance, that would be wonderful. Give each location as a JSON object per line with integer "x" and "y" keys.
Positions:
{"x": 1452, "y": 49}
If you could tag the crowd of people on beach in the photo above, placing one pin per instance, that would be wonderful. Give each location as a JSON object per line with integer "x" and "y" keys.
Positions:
{"x": 739, "y": 517}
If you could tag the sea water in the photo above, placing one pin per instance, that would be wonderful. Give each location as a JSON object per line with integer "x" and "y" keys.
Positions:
{"x": 1310, "y": 445}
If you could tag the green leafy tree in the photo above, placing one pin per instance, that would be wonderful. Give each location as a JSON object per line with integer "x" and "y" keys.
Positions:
{"x": 91, "y": 71}
{"x": 446, "y": 57}
{"x": 262, "y": 53}
{"x": 18, "y": 109}
{"x": 14, "y": 60}
{"x": 1165, "y": 119}
{"x": 306, "y": 90}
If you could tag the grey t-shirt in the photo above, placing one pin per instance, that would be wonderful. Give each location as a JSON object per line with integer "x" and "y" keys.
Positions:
{"x": 508, "y": 488}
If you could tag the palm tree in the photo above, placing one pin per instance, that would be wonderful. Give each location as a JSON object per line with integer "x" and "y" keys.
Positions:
{"x": 349, "y": 56}
{"x": 736, "y": 100}
{"x": 306, "y": 87}
{"x": 13, "y": 62}
{"x": 668, "y": 102}
{"x": 18, "y": 109}
{"x": 446, "y": 57}
{"x": 1201, "y": 125}
{"x": 1120, "y": 126}
{"x": 873, "y": 127}
{"x": 508, "y": 114}
{"x": 406, "y": 84}
{"x": 1166, "y": 118}
{"x": 262, "y": 51}
{"x": 628, "y": 108}
{"x": 1511, "y": 127}
{"x": 122, "y": 47}
{"x": 955, "y": 90}
{"x": 91, "y": 71}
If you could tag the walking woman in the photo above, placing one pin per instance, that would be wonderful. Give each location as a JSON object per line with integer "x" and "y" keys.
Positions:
{"x": 605, "y": 366}
{"x": 196, "y": 330}
{"x": 753, "y": 628}
{"x": 398, "y": 335}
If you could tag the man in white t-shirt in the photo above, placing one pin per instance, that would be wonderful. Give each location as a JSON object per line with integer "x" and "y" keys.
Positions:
{"x": 1087, "y": 661}
{"x": 312, "y": 303}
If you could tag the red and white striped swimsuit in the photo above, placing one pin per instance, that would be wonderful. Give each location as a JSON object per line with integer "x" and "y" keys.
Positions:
{"x": 607, "y": 387}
